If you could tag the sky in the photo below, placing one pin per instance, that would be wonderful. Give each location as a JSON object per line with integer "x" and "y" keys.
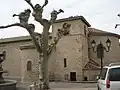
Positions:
{"x": 101, "y": 14}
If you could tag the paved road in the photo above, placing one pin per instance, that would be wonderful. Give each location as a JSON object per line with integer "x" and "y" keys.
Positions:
{"x": 72, "y": 85}
{"x": 73, "y": 89}
{"x": 66, "y": 86}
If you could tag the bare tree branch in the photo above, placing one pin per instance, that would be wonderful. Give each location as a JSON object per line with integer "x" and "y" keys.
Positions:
{"x": 29, "y": 2}
{"x": 118, "y": 15}
{"x": 7, "y": 26}
{"x": 61, "y": 32}
{"x": 41, "y": 21}
{"x": 46, "y": 2}
{"x": 60, "y": 11}
{"x": 37, "y": 11}
{"x": 37, "y": 14}
{"x": 54, "y": 14}
{"x": 31, "y": 29}
{"x": 24, "y": 17}
{"x": 117, "y": 25}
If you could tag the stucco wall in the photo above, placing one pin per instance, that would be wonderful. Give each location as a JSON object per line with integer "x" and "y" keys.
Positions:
{"x": 73, "y": 47}
{"x": 13, "y": 62}
{"x": 52, "y": 65}
{"x": 91, "y": 74}
{"x": 71, "y": 50}
{"x": 29, "y": 55}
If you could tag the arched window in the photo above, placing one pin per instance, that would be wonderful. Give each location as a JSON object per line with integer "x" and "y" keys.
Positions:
{"x": 29, "y": 66}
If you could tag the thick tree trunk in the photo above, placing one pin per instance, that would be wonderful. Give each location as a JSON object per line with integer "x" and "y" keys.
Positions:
{"x": 45, "y": 57}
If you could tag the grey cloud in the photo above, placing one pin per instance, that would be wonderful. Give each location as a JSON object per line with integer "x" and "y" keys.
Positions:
{"x": 101, "y": 14}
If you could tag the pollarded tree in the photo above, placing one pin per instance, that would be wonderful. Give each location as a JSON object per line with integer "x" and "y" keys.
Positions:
{"x": 37, "y": 14}
{"x": 43, "y": 49}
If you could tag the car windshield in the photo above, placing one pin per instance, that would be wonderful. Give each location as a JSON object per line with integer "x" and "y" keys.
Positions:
{"x": 114, "y": 74}
{"x": 103, "y": 73}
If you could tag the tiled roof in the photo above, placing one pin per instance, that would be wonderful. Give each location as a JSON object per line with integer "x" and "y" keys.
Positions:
{"x": 91, "y": 65}
{"x": 73, "y": 18}
{"x": 18, "y": 39}
{"x": 15, "y": 39}
{"x": 97, "y": 32}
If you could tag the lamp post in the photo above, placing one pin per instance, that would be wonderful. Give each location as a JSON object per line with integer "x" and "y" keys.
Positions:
{"x": 100, "y": 48}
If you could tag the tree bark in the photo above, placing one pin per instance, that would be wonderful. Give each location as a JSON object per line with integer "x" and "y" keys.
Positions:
{"x": 33, "y": 36}
{"x": 45, "y": 57}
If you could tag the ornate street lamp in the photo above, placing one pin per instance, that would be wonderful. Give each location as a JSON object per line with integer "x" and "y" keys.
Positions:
{"x": 100, "y": 48}
{"x": 93, "y": 43}
{"x": 108, "y": 44}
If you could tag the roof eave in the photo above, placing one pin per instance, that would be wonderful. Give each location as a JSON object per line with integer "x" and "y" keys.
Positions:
{"x": 104, "y": 34}
{"x": 73, "y": 18}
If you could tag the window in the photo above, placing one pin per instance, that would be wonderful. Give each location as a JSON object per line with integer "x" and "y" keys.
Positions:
{"x": 114, "y": 74}
{"x": 65, "y": 62}
{"x": 103, "y": 73}
{"x": 84, "y": 30}
{"x": 29, "y": 66}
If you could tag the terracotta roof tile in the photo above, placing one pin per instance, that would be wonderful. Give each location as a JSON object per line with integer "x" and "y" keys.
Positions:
{"x": 97, "y": 32}
{"x": 73, "y": 18}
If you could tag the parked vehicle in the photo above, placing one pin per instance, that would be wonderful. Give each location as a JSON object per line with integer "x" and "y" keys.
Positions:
{"x": 109, "y": 78}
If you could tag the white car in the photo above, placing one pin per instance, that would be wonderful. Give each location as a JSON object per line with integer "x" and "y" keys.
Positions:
{"x": 109, "y": 78}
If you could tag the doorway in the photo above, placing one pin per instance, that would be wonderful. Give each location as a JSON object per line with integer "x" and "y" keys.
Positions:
{"x": 73, "y": 76}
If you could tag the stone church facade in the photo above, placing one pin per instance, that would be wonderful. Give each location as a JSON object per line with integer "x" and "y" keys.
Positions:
{"x": 71, "y": 60}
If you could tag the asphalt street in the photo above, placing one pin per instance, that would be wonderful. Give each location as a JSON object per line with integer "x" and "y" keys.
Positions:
{"x": 65, "y": 86}
{"x": 72, "y": 85}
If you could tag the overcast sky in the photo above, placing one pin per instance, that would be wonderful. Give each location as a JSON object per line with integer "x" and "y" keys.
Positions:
{"x": 101, "y": 14}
